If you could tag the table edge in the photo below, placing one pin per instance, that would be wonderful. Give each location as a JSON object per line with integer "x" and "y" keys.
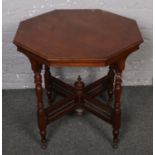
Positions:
{"x": 78, "y": 62}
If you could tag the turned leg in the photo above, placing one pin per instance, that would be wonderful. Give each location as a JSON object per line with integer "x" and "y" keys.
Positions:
{"x": 111, "y": 75}
{"x": 41, "y": 113}
{"x": 117, "y": 106}
{"x": 79, "y": 86}
{"x": 48, "y": 84}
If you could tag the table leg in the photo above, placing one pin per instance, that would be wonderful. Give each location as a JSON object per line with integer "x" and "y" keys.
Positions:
{"x": 117, "y": 106}
{"x": 36, "y": 67}
{"x": 48, "y": 84}
{"x": 111, "y": 75}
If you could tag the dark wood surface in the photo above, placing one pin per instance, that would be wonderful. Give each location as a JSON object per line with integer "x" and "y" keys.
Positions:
{"x": 78, "y": 37}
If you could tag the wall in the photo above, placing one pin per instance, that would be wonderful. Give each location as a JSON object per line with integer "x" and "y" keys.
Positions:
{"x": 16, "y": 68}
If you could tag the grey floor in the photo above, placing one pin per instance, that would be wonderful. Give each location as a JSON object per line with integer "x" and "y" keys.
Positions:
{"x": 73, "y": 135}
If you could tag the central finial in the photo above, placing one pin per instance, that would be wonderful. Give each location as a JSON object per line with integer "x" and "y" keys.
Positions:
{"x": 79, "y": 84}
{"x": 79, "y": 78}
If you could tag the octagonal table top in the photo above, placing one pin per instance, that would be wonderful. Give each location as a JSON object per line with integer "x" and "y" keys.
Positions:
{"x": 78, "y": 37}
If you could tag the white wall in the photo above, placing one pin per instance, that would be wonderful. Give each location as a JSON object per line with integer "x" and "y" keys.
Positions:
{"x": 16, "y": 68}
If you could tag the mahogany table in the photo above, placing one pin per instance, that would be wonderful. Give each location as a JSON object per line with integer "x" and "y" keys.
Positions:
{"x": 85, "y": 38}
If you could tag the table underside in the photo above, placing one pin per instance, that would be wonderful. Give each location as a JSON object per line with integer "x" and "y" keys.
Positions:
{"x": 89, "y": 101}
{"x": 79, "y": 98}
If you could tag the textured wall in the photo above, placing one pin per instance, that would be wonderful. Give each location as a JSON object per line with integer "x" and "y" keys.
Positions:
{"x": 16, "y": 68}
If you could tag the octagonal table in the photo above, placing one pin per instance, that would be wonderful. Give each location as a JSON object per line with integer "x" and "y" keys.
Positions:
{"x": 84, "y": 38}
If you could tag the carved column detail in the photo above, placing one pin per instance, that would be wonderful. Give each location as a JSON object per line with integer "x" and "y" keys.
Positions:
{"x": 36, "y": 67}
{"x": 79, "y": 86}
{"x": 48, "y": 84}
{"x": 111, "y": 75}
{"x": 119, "y": 67}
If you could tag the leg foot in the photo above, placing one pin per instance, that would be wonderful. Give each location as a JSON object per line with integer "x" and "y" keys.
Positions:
{"x": 115, "y": 144}
{"x": 44, "y": 144}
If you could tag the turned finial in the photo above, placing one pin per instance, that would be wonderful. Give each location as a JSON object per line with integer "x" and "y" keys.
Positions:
{"x": 79, "y": 78}
{"x": 79, "y": 84}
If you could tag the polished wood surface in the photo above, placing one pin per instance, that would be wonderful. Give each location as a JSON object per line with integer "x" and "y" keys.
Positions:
{"x": 42, "y": 118}
{"x": 78, "y": 38}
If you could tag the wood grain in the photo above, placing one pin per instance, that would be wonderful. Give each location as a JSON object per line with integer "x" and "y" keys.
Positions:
{"x": 78, "y": 37}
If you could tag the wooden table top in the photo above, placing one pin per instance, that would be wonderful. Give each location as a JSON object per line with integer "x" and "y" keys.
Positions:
{"x": 78, "y": 37}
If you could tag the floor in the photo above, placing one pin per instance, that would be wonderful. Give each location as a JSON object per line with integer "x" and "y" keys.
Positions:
{"x": 73, "y": 135}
